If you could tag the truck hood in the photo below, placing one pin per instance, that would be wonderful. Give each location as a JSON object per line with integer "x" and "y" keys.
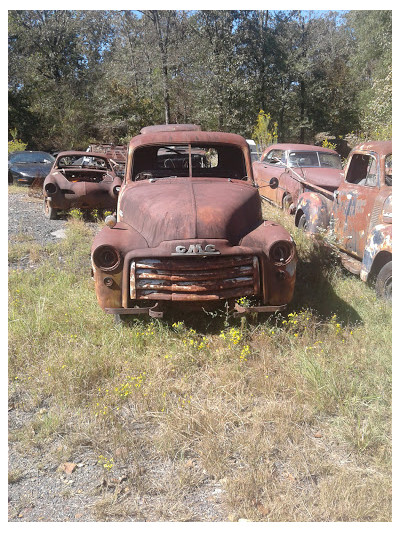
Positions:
{"x": 184, "y": 208}
{"x": 327, "y": 178}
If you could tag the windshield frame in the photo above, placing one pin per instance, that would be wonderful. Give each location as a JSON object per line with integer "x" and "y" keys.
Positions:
{"x": 143, "y": 168}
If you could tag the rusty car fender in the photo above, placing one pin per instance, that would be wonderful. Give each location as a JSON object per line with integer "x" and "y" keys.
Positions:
{"x": 278, "y": 279}
{"x": 378, "y": 250}
{"x": 317, "y": 209}
{"x": 109, "y": 283}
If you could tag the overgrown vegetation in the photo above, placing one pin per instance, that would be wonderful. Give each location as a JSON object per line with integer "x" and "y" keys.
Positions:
{"x": 288, "y": 417}
{"x": 265, "y": 133}
{"x": 82, "y": 76}
{"x": 15, "y": 144}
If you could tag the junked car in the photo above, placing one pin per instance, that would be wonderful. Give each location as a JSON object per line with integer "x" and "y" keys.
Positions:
{"x": 115, "y": 152}
{"x": 295, "y": 166}
{"x": 358, "y": 214}
{"x": 188, "y": 230}
{"x": 80, "y": 180}
{"x": 25, "y": 167}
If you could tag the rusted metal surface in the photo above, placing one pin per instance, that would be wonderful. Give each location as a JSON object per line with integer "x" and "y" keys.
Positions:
{"x": 116, "y": 152}
{"x": 359, "y": 212}
{"x": 316, "y": 208}
{"x": 84, "y": 180}
{"x": 188, "y": 279}
{"x": 298, "y": 167}
{"x": 191, "y": 232}
{"x": 379, "y": 242}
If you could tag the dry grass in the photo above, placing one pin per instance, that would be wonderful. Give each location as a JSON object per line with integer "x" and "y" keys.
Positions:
{"x": 286, "y": 419}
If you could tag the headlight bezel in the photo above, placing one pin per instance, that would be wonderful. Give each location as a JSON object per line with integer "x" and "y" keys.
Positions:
{"x": 281, "y": 252}
{"x": 106, "y": 257}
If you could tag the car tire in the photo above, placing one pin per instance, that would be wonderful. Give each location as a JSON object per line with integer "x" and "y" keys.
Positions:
{"x": 383, "y": 284}
{"x": 302, "y": 222}
{"x": 49, "y": 212}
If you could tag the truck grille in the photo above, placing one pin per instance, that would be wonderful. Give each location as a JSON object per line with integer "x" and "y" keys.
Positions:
{"x": 194, "y": 279}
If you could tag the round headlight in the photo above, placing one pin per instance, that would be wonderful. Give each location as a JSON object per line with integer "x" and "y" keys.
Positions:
{"x": 106, "y": 257}
{"x": 281, "y": 252}
{"x": 50, "y": 188}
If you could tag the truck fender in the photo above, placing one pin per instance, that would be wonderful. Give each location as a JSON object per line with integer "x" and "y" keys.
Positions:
{"x": 317, "y": 210}
{"x": 378, "y": 250}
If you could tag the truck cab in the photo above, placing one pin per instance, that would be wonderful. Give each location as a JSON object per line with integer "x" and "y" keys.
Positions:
{"x": 188, "y": 230}
{"x": 358, "y": 214}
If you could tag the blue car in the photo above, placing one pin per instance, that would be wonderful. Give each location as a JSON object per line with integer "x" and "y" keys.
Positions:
{"x": 24, "y": 167}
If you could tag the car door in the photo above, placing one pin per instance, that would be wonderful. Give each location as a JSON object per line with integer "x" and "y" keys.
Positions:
{"x": 271, "y": 166}
{"x": 354, "y": 201}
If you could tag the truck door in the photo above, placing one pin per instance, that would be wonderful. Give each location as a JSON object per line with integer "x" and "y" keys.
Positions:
{"x": 271, "y": 166}
{"x": 354, "y": 202}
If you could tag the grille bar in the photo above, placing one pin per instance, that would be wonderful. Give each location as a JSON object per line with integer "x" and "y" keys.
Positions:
{"x": 194, "y": 278}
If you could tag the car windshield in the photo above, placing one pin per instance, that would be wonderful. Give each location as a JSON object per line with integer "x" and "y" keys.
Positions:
{"x": 314, "y": 159}
{"x": 219, "y": 161}
{"x": 32, "y": 157}
{"x": 83, "y": 161}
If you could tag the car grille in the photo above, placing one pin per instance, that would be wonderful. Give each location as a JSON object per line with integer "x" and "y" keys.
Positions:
{"x": 194, "y": 279}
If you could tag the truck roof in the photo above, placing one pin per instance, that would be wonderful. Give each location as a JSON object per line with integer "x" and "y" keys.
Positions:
{"x": 183, "y": 134}
{"x": 381, "y": 147}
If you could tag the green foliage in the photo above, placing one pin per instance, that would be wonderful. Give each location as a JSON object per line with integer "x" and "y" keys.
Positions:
{"x": 328, "y": 144}
{"x": 76, "y": 76}
{"x": 15, "y": 145}
{"x": 265, "y": 132}
{"x": 372, "y": 65}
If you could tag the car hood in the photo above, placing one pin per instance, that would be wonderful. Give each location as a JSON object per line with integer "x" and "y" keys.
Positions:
{"x": 32, "y": 169}
{"x": 328, "y": 178}
{"x": 181, "y": 209}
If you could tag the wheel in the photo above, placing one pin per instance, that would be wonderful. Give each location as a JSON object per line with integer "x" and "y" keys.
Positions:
{"x": 383, "y": 285}
{"x": 303, "y": 222}
{"x": 49, "y": 212}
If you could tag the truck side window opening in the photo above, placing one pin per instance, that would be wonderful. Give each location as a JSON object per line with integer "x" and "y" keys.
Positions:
{"x": 363, "y": 170}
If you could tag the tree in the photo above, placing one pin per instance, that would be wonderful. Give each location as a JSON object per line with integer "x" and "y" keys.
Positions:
{"x": 371, "y": 64}
{"x": 46, "y": 67}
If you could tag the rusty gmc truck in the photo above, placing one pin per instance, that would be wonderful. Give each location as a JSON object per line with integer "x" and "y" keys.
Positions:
{"x": 188, "y": 230}
{"x": 358, "y": 214}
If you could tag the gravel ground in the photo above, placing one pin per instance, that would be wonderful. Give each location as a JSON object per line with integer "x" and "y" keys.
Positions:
{"x": 25, "y": 215}
{"x": 45, "y": 488}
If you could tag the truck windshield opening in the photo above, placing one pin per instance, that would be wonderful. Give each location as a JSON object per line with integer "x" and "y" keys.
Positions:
{"x": 216, "y": 161}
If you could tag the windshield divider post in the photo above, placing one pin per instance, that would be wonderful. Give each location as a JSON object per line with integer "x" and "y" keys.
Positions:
{"x": 190, "y": 160}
